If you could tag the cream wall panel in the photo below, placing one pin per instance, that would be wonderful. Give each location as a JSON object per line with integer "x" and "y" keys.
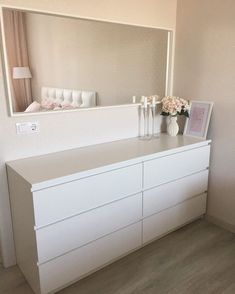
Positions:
{"x": 91, "y": 55}
{"x": 204, "y": 70}
{"x": 69, "y": 130}
{"x": 157, "y": 13}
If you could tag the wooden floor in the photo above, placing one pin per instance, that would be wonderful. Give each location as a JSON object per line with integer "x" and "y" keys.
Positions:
{"x": 199, "y": 258}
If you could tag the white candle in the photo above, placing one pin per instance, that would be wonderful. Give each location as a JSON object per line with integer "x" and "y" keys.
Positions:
{"x": 153, "y": 101}
{"x": 145, "y": 102}
{"x": 133, "y": 99}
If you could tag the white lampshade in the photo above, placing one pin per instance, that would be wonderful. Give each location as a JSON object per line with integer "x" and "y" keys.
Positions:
{"x": 21, "y": 73}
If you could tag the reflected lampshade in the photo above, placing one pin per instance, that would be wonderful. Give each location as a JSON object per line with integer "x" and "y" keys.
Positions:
{"x": 21, "y": 73}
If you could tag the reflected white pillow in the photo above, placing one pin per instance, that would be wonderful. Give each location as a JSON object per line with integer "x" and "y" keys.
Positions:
{"x": 88, "y": 99}
{"x": 33, "y": 107}
{"x": 76, "y": 99}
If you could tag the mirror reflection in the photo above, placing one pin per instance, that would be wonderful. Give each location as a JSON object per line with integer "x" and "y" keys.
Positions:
{"x": 56, "y": 63}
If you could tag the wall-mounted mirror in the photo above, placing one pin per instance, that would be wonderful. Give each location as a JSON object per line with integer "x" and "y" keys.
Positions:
{"x": 60, "y": 63}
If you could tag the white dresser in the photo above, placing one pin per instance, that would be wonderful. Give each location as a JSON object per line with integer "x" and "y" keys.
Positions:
{"x": 76, "y": 211}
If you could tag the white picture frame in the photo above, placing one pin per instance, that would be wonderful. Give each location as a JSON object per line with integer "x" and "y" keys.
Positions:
{"x": 199, "y": 118}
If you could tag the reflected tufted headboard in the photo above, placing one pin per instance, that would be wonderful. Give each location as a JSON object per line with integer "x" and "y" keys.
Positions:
{"x": 74, "y": 98}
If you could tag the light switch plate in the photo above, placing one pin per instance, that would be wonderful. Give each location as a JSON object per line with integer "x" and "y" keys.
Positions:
{"x": 26, "y": 128}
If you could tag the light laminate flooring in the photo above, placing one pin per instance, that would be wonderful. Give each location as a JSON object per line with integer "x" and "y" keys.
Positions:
{"x": 197, "y": 259}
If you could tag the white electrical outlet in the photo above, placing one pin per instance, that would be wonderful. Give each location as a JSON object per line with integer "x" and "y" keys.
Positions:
{"x": 26, "y": 128}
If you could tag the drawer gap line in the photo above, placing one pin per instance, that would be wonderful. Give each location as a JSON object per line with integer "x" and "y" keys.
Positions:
{"x": 37, "y": 228}
{"x": 103, "y": 236}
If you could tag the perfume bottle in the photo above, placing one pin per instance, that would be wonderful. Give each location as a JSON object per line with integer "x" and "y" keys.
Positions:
{"x": 153, "y": 107}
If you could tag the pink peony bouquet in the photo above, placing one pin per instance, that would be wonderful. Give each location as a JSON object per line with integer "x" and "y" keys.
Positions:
{"x": 173, "y": 106}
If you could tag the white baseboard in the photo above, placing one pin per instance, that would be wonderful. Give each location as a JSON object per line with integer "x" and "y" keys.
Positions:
{"x": 220, "y": 223}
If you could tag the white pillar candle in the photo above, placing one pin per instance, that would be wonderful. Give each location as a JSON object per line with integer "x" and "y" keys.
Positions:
{"x": 133, "y": 99}
{"x": 145, "y": 102}
{"x": 153, "y": 101}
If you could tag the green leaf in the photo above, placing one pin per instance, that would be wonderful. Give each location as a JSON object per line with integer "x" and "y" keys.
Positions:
{"x": 186, "y": 113}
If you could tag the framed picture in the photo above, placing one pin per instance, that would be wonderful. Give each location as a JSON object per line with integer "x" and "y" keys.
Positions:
{"x": 199, "y": 117}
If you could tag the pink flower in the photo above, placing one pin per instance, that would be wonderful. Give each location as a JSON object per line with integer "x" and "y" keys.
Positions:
{"x": 173, "y": 105}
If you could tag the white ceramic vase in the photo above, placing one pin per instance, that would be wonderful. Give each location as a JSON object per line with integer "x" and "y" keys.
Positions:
{"x": 172, "y": 127}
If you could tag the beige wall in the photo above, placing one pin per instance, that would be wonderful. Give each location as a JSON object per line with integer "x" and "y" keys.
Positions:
{"x": 68, "y": 130}
{"x": 156, "y": 13}
{"x": 205, "y": 70}
{"x": 116, "y": 61}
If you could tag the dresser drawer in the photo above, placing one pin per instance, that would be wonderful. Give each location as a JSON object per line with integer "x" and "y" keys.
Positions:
{"x": 168, "y": 195}
{"x": 176, "y": 166}
{"x": 61, "y": 201}
{"x": 75, "y": 264}
{"x": 74, "y": 232}
{"x": 159, "y": 224}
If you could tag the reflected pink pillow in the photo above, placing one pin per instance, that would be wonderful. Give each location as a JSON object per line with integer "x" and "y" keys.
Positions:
{"x": 67, "y": 106}
{"x": 49, "y": 105}
{"x": 33, "y": 107}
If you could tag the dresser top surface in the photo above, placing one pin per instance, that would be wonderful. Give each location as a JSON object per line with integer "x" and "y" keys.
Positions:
{"x": 55, "y": 168}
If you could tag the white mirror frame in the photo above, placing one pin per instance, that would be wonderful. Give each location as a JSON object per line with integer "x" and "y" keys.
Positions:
{"x": 169, "y": 68}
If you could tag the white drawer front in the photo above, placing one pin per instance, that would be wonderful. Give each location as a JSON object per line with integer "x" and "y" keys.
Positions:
{"x": 167, "y": 220}
{"x": 65, "y": 200}
{"x": 165, "y": 169}
{"x": 170, "y": 194}
{"x": 74, "y": 232}
{"x": 70, "y": 267}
